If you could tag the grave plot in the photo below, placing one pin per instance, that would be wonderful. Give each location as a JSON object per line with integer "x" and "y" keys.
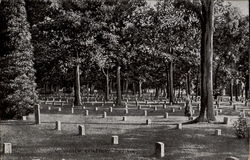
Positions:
{"x": 116, "y": 141}
{"x": 110, "y": 132}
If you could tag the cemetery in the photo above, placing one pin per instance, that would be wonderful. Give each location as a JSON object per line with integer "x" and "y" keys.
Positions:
{"x": 130, "y": 79}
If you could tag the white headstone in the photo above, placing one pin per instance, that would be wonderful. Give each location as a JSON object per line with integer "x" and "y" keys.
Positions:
{"x": 114, "y": 140}
{"x": 218, "y": 132}
{"x": 96, "y": 108}
{"x": 7, "y": 148}
{"x": 104, "y": 115}
{"x": 145, "y": 113}
{"x": 155, "y": 108}
{"x": 58, "y": 125}
{"x": 166, "y": 115}
{"x": 124, "y": 118}
{"x": 59, "y": 109}
{"x": 148, "y": 121}
{"x": 139, "y": 107}
{"x": 126, "y": 111}
{"x": 81, "y": 130}
{"x": 173, "y": 110}
{"x": 72, "y": 110}
{"x": 24, "y": 118}
{"x": 86, "y": 112}
{"x": 164, "y": 106}
{"x": 159, "y": 149}
{"x": 179, "y": 126}
{"x": 110, "y": 109}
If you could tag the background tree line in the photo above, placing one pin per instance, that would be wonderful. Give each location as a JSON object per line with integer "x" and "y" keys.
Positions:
{"x": 124, "y": 45}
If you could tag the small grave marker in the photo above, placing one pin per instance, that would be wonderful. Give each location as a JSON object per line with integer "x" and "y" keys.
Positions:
{"x": 81, "y": 130}
{"x": 58, "y": 125}
{"x": 145, "y": 113}
{"x": 24, "y": 118}
{"x": 173, "y": 110}
{"x": 7, "y": 148}
{"x": 104, "y": 115}
{"x": 126, "y": 111}
{"x": 148, "y": 121}
{"x": 218, "y": 132}
{"x": 59, "y": 109}
{"x": 164, "y": 106}
{"x": 86, "y": 112}
{"x": 111, "y": 109}
{"x": 114, "y": 140}
{"x": 124, "y": 118}
{"x": 166, "y": 115}
{"x": 159, "y": 149}
{"x": 139, "y": 107}
{"x": 155, "y": 108}
{"x": 72, "y": 110}
{"x": 179, "y": 126}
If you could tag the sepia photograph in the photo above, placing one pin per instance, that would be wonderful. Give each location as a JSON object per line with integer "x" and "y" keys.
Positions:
{"x": 124, "y": 80}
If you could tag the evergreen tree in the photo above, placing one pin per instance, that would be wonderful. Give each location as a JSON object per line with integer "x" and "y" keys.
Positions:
{"x": 17, "y": 80}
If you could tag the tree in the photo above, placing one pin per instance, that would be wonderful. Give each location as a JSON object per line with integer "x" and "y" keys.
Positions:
{"x": 17, "y": 82}
{"x": 204, "y": 10}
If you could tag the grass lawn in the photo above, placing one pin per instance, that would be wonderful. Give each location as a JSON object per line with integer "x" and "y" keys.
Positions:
{"x": 136, "y": 140}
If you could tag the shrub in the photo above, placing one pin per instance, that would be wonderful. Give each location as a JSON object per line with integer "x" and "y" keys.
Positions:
{"x": 240, "y": 127}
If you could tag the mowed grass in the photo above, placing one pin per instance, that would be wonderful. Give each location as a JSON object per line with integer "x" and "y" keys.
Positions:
{"x": 136, "y": 140}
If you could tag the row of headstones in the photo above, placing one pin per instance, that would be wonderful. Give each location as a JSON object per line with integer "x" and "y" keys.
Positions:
{"x": 126, "y": 111}
{"x": 159, "y": 146}
{"x": 38, "y": 117}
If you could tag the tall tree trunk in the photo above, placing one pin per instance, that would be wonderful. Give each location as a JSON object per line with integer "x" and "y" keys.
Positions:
{"x": 77, "y": 101}
{"x": 133, "y": 87}
{"x": 107, "y": 85}
{"x": 188, "y": 83}
{"x": 231, "y": 90}
{"x": 246, "y": 86}
{"x": 157, "y": 90}
{"x": 207, "y": 111}
{"x": 140, "y": 90}
{"x": 118, "y": 86}
{"x": 164, "y": 91}
{"x": 167, "y": 84}
{"x": 87, "y": 87}
{"x": 171, "y": 83}
{"x": 236, "y": 90}
{"x": 126, "y": 86}
{"x": 197, "y": 86}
